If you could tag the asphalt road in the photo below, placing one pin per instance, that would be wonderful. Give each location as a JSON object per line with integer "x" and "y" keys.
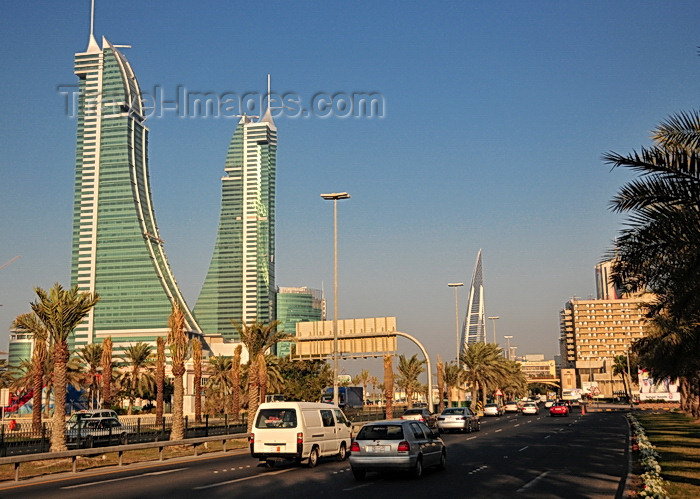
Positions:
{"x": 512, "y": 456}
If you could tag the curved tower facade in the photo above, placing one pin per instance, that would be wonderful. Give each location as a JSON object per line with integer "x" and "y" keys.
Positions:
{"x": 117, "y": 251}
{"x": 240, "y": 282}
{"x": 474, "y": 326}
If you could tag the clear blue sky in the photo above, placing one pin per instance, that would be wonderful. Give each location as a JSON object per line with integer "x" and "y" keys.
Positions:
{"x": 496, "y": 115}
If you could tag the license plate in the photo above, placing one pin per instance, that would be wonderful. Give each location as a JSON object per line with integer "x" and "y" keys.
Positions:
{"x": 275, "y": 448}
{"x": 376, "y": 449}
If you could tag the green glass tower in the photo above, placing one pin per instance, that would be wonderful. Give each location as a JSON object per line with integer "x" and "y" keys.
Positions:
{"x": 297, "y": 305}
{"x": 240, "y": 282}
{"x": 117, "y": 251}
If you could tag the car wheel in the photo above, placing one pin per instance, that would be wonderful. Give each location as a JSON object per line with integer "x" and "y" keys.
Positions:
{"x": 313, "y": 457}
{"x": 342, "y": 453}
{"x": 418, "y": 468}
{"x": 269, "y": 463}
{"x": 123, "y": 439}
{"x": 359, "y": 474}
{"x": 89, "y": 442}
{"x": 443, "y": 459}
{"x": 478, "y": 426}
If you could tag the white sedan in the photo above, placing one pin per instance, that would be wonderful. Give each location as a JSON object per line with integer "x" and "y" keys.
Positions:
{"x": 529, "y": 408}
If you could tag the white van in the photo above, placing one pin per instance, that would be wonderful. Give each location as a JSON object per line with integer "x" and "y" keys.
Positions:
{"x": 299, "y": 431}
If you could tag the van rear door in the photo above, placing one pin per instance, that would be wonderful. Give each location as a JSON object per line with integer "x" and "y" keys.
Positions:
{"x": 274, "y": 431}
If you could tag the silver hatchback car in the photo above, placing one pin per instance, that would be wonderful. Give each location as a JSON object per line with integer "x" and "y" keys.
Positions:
{"x": 408, "y": 446}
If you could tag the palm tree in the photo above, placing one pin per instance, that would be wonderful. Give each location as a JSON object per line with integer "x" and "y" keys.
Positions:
{"x": 374, "y": 381}
{"x": 30, "y": 323}
{"x": 389, "y": 385}
{"x": 139, "y": 379}
{"x": 160, "y": 377}
{"x": 409, "y": 371}
{"x": 440, "y": 366}
{"x": 219, "y": 384}
{"x": 362, "y": 379}
{"x": 177, "y": 341}
{"x": 90, "y": 357}
{"x": 257, "y": 338}
{"x": 106, "y": 363}
{"x": 61, "y": 310}
{"x": 659, "y": 250}
{"x": 197, "y": 361}
{"x": 484, "y": 366}
{"x": 454, "y": 377}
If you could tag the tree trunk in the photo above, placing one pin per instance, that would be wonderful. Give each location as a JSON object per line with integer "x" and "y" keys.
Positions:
{"x": 197, "y": 358}
{"x": 107, "y": 373}
{"x": 253, "y": 391}
{"x": 441, "y": 384}
{"x": 58, "y": 433}
{"x": 475, "y": 394}
{"x": 389, "y": 385}
{"x": 262, "y": 376}
{"x": 38, "y": 361}
{"x": 160, "y": 377}
{"x": 178, "y": 428}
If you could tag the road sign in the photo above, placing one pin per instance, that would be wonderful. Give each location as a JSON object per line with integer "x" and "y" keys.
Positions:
{"x": 498, "y": 393}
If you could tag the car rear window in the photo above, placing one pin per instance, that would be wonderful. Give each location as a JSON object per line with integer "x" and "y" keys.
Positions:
{"x": 453, "y": 412}
{"x": 277, "y": 418}
{"x": 381, "y": 432}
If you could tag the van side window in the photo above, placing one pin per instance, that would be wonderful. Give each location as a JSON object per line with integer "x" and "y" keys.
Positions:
{"x": 327, "y": 418}
{"x": 340, "y": 417}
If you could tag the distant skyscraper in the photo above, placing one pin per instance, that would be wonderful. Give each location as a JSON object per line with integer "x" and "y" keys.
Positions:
{"x": 474, "y": 326}
{"x": 240, "y": 283}
{"x": 605, "y": 288}
{"x": 117, "y": 251}
{"x": 297, "y": 305}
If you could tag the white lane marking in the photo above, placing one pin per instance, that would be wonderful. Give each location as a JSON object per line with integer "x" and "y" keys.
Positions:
{"x": 472, "y": 438}
{"x": 520, "y": 450}
{"x": 532, "y": 482}
{"x": 153, "y": 473}
{"x": 547, "y": 436}
{"x": 515, "y": 426}
{"x": 219, "y": 484}
{"x": 496, "y": 431}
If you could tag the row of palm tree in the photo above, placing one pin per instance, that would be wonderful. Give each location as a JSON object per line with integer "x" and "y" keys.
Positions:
{"x": 658, "y": 251}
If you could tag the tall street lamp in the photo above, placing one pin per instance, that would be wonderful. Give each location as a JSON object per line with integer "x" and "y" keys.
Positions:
{"x": 456, "y": 286}
{"x": 335, "y": 197}
{"x": 494, "y": 318}
{"x": 508, "y": 338}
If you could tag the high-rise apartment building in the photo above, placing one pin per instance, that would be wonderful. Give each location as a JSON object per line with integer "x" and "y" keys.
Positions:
{"x": 605, "y": 288}
{"x": 117, "y": 250}
{"x": 474, "y": 325}
{"x": 240, "y": 282}
{"x": 300, "y": 304}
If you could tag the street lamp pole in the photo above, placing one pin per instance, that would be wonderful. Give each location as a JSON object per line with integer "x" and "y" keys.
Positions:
{"x": 335, "y": 197}
{"x": 494, "y": 318}
{"x": 508, "y": 338}
{"x": 456, "y": 286}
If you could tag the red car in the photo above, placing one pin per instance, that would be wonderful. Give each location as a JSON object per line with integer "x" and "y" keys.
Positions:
{"x": 559, "y": 409}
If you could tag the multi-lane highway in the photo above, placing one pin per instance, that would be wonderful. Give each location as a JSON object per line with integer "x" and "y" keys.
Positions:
{"x": 512, "y": 456}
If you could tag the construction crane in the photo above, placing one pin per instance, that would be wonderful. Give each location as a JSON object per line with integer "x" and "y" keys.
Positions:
{"x": 15, "y": 258}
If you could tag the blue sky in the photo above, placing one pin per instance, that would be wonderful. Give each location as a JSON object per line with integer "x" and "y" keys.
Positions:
{"x": 496, "y": 115}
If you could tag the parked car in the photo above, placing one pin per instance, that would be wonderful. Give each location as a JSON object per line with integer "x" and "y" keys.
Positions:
{"x": 96, "y": 430}
{"x": 459, "y": 419}
{"x": 97, "y": 413}
{"x": 421, "y": 414}
{"x": 529, "y": 408}
{"x": 560, "y": 408}
{"x": 408, "y": 446}
{"x": 299, "y": 431}
{"x": 493, "y": 410}
{"x": 511, "y": 406}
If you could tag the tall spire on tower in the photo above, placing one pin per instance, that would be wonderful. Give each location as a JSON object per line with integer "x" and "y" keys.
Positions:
{"x": 92, "y": 43}
{"x": 267, "y": 117}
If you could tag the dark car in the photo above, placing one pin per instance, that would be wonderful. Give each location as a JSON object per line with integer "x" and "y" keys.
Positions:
{"x": 421, "y": 414}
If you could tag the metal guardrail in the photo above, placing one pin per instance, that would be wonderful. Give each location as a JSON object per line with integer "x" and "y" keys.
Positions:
{"x": 119, "y": 449}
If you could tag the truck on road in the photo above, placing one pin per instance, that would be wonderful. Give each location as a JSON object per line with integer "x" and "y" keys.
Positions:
{"x": 348, "y": 397}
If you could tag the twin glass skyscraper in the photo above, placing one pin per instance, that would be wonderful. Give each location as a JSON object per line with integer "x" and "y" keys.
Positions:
{"x": 474, "y": 326}
{"x": 117, "y": 250}
{"x": 240, "y": 283}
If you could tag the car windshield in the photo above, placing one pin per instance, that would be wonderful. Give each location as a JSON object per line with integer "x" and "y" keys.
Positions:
{"x": 490, "y": 405}
{"x": 277, "y": 418}
{"x": 381, "y": 432}
{"x": 453, "y": 412}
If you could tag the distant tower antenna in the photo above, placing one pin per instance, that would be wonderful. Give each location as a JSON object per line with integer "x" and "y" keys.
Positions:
{"x": 268, "y": 88}
{"x": 92, "y": 18}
